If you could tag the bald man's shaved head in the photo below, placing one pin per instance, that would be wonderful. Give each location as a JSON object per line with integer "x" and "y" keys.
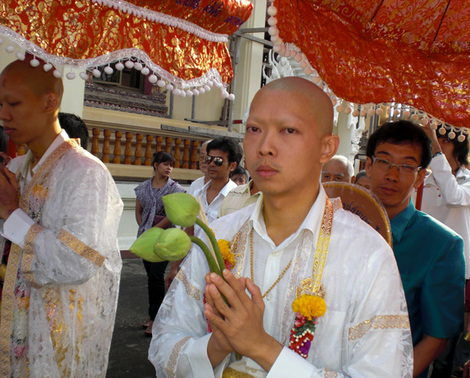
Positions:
{"x": 318, "y": 102}
{"x": 36, "y": 78}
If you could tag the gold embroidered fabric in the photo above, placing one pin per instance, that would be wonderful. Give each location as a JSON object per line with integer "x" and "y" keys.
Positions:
{"x": 192, "y": 291}
{"x": 8, "y": 304}
{"x": 28, "y": 254}
{"x": 380, "y": 321}
{"x": 232, "y": 373}
{"x": 173, "y": 360}
{"x": 81, "y": 248}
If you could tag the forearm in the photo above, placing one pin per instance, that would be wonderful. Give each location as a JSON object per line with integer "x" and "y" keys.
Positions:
{"x": 425, "y": 352}
{"x": 164, "y": 223}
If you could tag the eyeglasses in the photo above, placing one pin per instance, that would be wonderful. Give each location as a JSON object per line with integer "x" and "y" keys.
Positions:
{"x": 218, "y": 161}
{"x": 404, "y": 169}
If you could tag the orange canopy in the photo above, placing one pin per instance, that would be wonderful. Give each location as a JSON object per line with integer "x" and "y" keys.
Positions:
{"x": 414, "y": 52}
{"x": 181, "y": 41}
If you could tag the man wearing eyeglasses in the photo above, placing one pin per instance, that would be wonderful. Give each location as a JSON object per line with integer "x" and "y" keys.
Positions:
{"x": 223, "y": 156}
{"x": 429, "y": 255}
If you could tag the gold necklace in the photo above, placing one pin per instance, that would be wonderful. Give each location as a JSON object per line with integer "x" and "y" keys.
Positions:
{"x": 251, "y": 267}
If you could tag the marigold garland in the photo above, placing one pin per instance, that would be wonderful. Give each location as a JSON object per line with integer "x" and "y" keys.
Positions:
{"x": 309, "y": 306}
{"x": 228, "y": 256}
{"x": 307, "y": 309}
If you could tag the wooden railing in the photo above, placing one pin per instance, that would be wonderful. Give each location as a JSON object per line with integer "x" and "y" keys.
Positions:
{"x": 128, "y": 154}
{"x": 135, "y": 148}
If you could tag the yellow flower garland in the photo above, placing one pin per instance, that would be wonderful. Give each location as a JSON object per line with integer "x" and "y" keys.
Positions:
{"x": 310, "y": 306}
{"x": 224, "y": 246}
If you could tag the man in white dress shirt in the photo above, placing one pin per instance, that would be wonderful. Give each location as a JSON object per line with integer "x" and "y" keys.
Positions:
{"x": 59, "y": 214}
{"x": 292, "y": 243}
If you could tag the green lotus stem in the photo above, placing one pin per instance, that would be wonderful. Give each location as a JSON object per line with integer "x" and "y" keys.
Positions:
{"x": 213, "y": 241}
{"x": 210, "y": 259}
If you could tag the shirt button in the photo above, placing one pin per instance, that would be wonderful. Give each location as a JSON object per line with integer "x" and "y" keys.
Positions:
{"x": 252, "y": 370}
{"x": 267, "y": 297}
{"x": 275, "y": 253}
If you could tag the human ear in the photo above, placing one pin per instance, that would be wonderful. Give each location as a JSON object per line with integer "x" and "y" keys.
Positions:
{"x": 51, "y": 102}
{"x": 232, "y": 166}
{"x": 329, "y": 145}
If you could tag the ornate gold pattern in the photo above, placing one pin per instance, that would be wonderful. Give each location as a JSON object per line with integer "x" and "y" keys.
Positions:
{"x": 379, "y": 321}
{"x": 330, "y": 373}
{"x": 190, "y": 289}
{"x": 238, "y": 247}
{"x": 28, "y": 254}
{"x": 81, "y": 248}
{"x": 232, "y": 373}
{"x": 322, "y": 246}
{"x": 8, "y": 298}
{"x": 170, "y": 368}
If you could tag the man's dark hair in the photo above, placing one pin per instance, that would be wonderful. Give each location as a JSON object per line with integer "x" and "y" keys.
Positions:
{"x": 239, "y": 170}
{"x": 229, "y": 145}
{"x": 401, "y": 132}
{"x": 163, "y": 157}
{"x": 461, "y": 149}
{"x": 75, "y": 127}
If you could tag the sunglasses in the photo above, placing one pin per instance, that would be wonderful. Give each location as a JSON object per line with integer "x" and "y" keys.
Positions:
{"x": 218, "y": 161}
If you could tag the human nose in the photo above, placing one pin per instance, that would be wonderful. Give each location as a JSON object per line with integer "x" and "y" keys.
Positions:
{"x": 3, "y": 113}
{"x": 267, "y": 144}
{"x": 393, "y": 172}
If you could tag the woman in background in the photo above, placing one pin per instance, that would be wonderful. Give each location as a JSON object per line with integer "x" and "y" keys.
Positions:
{"x": 149, "y": 212}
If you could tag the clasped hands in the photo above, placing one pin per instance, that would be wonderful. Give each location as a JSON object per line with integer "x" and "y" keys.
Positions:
{"x": 239, "y": 325}
{"x": 8, "y": 192}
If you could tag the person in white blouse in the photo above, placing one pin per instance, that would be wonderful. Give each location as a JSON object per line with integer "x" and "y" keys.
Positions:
{"x": 292, "y": 247}
{"x": 446, "y": 197}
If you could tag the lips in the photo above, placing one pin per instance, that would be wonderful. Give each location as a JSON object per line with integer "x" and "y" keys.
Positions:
{"x": 266, "y": 171}
{"x": 7, "y": 130}
{"x": 387, "y": 190}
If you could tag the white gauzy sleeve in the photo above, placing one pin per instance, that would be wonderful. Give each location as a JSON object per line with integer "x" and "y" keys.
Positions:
{"x": 77, "y": 228}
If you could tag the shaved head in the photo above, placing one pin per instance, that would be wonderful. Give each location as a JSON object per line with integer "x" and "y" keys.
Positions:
{"x": 39, "y": 81}
{"x": 318, "y": 104}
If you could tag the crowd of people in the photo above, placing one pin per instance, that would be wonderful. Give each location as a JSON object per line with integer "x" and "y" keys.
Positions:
{"x": 311, "y": 289}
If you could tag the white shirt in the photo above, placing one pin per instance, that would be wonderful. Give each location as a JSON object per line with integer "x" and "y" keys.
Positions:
{"x": 365, "y": 331}
{"x": 196, "y": 185}
{"x": 447, "y": 198}
{"x": 212, "y": 209}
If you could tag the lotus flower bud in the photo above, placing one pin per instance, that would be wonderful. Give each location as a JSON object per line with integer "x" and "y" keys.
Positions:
{"x": 143, "y": 246}
{"x": 172, "y": 244}
{"x": 181, "y": 209}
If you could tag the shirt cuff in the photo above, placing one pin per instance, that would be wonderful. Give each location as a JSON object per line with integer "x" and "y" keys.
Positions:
{"x": 289, "y": 361}
{"x": 17, "y": 226}
{"x": 197, "y": 355}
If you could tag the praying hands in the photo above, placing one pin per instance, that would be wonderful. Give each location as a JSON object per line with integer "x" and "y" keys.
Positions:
{"x": 239, "y": 325}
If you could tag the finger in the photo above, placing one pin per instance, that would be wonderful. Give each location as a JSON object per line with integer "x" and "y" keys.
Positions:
{"x": 210, "y": 301}
{"x": 220, "y": 305}
{"x": 215, "y": 320}
{"x": 229, "y": 289}
{"x": 238, "y": 287}
{"x": 255, "y": 292}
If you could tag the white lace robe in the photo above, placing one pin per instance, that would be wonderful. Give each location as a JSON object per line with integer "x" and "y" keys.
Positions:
{"x": 69, "y": 268}
{"x": 364, "y": 333}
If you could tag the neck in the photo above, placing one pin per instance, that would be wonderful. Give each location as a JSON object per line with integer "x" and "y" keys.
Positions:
{"x": 206, "y": 179}
{"x": 218, "y": 184}
{"x": 284, "y": 215}
{"x": 159, "y": 180}
{"x": 39, "y": 147}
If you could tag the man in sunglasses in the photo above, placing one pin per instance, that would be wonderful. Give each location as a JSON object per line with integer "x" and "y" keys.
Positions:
{"x": 223, "y": 156}
{"x": 429, "y": 255}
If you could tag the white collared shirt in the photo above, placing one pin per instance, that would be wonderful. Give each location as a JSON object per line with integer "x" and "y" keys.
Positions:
{"x": 212, "y": 209}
